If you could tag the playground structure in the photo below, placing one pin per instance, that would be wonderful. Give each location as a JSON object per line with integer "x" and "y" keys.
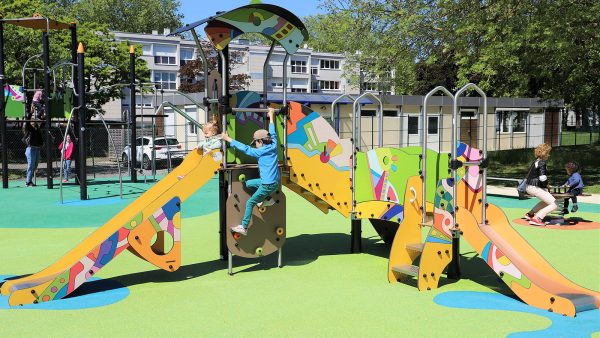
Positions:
{"x": 398, "y": 190}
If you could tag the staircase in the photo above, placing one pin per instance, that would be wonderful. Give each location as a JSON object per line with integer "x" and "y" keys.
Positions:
{"x": 411, "y": 256}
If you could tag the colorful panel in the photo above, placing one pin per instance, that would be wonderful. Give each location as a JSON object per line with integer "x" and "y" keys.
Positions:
{"x": 443, "y": 217}
{"x": 14, "y": 98}
{"x": 503, "y": 266}
{"x": 313, "y": 135}
{"x": 271, "y": 21}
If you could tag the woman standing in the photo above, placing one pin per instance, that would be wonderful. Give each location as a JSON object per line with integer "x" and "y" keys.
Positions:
{"x": 68, "y": 156}
{"x": 34, "y": 141}
{"x": 537, "y": 182}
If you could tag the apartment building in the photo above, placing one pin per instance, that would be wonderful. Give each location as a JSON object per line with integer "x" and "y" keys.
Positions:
{"x": 316, "y": 79}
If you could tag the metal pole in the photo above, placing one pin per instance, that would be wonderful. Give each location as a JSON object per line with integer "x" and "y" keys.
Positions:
{"x": 425, "y": 118}
{"x": 46, "y": 100}
{"x": 265, "y": 75}
{"x": 62, "y": 153}
{"x": 82, "y": 116}
{"x": 2, "y": 111}
{"x": 112, "y": 141}
{"x": 285, "y": 62}
{"x": 132, "y": 117}
{"x": 333, "y": 106}
{"x": 205, "y": 66}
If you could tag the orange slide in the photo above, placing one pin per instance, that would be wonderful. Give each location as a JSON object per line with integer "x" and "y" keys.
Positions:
{"x": 520, "y": 266}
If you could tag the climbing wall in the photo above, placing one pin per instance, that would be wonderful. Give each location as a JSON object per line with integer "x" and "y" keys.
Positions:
{"x": 266, "y": 233}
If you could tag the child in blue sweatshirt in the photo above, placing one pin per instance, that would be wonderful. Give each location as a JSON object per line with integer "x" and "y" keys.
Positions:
{"x": 575, "y": 184}
{"x": 269, "y": 181}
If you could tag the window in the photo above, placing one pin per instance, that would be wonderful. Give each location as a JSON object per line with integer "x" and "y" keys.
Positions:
{"x": 165, "y": 54}
{"x": 368, "y": 112}
{"x": 390, "y": 113}
{"x": 138, "y": 142}
{"x": 511, "y": 121}
{"x": 299, "y": 90}
{"x": 277, "y": 84}
{"x": 329, "y": 85}
{"x": 330, "y": 64}
{"x": 314, "y": 86}
{"x": 185, "y": 55}
{"x": 370, "y": 86}
{"x": 432, "y": 125}
{"x": 298, "y": 67}
{"x": 519, "y": 121}
{"x": 164, "y": 60}
{"x": 413, "y": 125}
{"x": 193, "y": 113}
{"x": 146, "y": 49}
{"x": 167, "y": 80}
{"x": 314, "y": 70}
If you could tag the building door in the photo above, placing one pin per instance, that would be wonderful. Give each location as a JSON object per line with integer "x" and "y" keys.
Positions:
{"x": 433, "y": 134}
{"x": 551, "y": 127}
{"x": 469, "y": 128}
{"x": 169, "y": 122}
{"x": 412, "y": 125}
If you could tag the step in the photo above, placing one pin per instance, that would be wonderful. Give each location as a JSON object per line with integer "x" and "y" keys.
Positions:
{"x": 426, "y": 224}
{"x": 411, "y": 270}
{"x": 415, "y": 246}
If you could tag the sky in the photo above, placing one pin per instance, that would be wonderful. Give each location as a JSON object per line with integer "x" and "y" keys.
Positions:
{"x": 194, "y": 10}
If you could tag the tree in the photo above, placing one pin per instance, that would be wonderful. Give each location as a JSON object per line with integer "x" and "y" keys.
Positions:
{"x": 192, "y": 72}
{"x": 136, "y": 16}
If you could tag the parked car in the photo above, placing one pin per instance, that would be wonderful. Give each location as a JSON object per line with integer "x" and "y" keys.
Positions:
{"x": 163, "y": 148}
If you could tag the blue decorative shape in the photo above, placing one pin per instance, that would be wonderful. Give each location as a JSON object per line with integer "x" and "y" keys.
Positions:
{"x": 583, "y": 325}
{"x": 95, "y": 293}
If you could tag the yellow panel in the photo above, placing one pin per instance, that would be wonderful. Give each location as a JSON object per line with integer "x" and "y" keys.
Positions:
{"x": 323, "y": 181}
{"x": 434, "y": 259}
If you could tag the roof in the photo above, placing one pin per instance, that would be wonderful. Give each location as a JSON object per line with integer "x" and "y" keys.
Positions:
{"x": 306, "y": 98}
{"x": 37, "y": 22}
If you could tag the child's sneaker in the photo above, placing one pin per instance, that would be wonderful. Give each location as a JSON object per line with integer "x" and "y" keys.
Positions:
{"x": 528, "y": 216}
{"x": 565, "y": 211}
{"x": 574, "y": 208}
{"x": 240, "y": 230}
{"x": 536, "y": 221}
{"x": 266, "y": 203}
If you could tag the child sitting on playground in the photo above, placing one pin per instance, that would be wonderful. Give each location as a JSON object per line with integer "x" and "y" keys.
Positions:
{"x": 212, "y": 138}
{"x": 575, "y": 184}
{"x": 266, "y": 153}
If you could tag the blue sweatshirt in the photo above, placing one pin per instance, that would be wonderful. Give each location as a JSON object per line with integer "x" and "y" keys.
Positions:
{"x": 266, "y": 155}
{"x": 575, "y": 181}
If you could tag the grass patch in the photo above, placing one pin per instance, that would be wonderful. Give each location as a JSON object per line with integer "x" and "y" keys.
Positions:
{"x": 569, "y": 138}
{"x": 515, "y": 163}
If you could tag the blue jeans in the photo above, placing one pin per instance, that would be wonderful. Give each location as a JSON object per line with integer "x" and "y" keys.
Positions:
{"x": 33, "y": 156}
{"x": 67, "y": 169}
{"x": 262, "y": 192}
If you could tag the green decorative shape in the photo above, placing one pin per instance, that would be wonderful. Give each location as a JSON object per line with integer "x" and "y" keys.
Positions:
{"x": 242, "y": 178}
{"x": 524, "y": 281}
{"x": 57, "y": 284}
{"x": 155, "y": 224}
{"x": 134, "y": 222}
{"x": 362, "y": 179}
{"x": 255, "y": 2}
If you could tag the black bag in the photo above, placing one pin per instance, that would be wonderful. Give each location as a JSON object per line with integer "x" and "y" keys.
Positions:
{"x": 522, "y": 187}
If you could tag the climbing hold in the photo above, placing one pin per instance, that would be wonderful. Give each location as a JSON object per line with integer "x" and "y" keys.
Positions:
{"x": 242, "y": 178}
{"x": 279, "y": 231}
{"x": 262, "y": 209}
{"x": 259, "y": 251}
{"x": 237, "y": 236}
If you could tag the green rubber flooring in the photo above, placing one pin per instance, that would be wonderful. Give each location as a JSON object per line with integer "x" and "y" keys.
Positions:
{"x": 323, "y": 289}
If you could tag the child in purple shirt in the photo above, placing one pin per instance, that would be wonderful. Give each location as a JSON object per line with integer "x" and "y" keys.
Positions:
{"x": 575, "y": 184}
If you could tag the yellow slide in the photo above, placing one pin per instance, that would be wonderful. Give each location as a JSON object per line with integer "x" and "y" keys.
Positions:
{"x": 520, "y": 266}
{"x": 132, "y": 229}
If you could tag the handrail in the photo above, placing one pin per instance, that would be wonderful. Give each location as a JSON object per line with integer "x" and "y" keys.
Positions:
{"x": 424, "y": 133}
{"x": 176, "y": 109}
{"x": 333, "y": 105}
{"x": 484, "y": 151}
{"x": 380, "y": 121}
{"x": 204, "y": 64}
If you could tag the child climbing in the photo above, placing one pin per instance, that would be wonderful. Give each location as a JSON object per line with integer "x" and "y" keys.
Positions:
{"x": 266, "y": 153}
{"x": 575, "y": 185}
{"x": 212, "y": 139}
